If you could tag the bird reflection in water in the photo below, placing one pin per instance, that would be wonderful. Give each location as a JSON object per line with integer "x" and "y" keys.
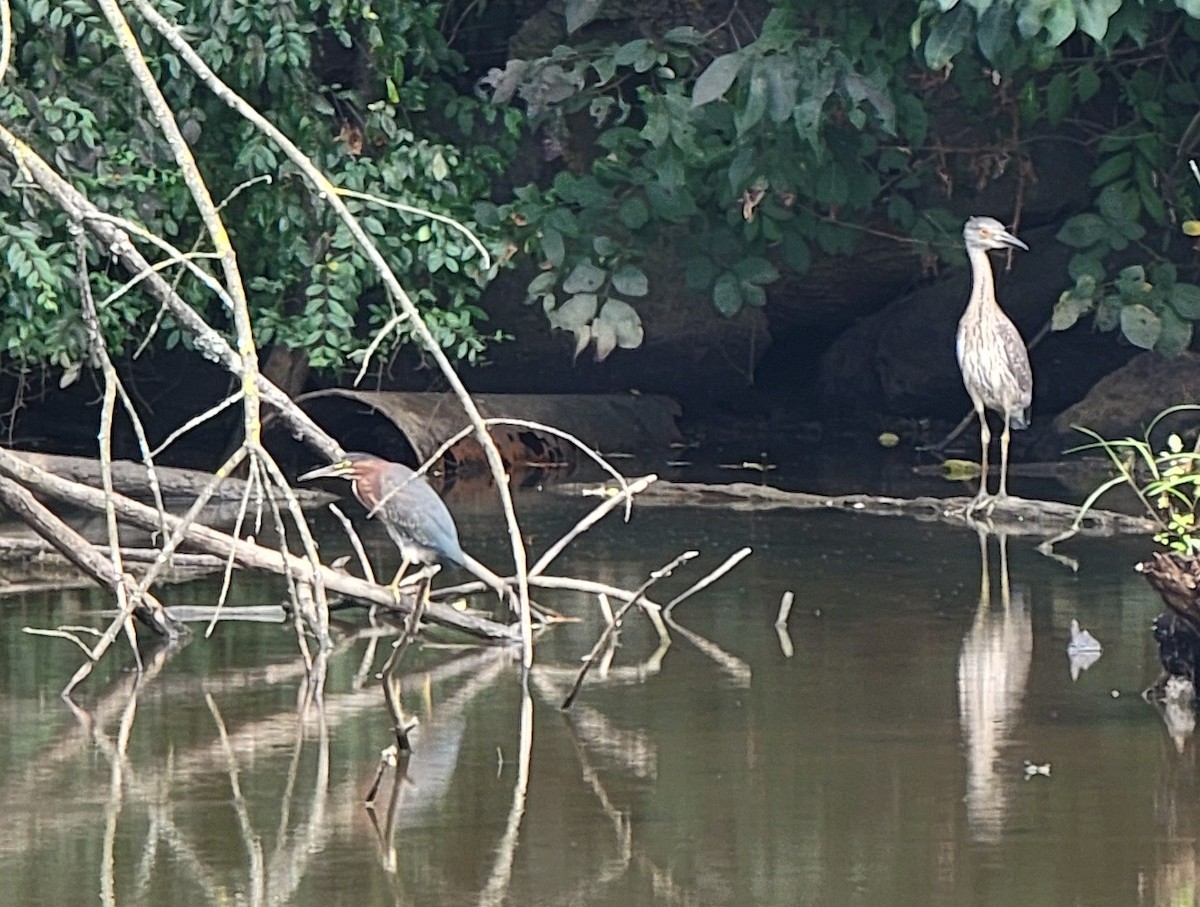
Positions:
{"x": 993, "y": 670}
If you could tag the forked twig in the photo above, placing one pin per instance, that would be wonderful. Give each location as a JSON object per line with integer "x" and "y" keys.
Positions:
{"x": 618, "y": 617}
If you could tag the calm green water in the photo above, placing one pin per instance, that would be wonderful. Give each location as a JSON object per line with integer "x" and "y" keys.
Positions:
{"x": 882, "y": 763}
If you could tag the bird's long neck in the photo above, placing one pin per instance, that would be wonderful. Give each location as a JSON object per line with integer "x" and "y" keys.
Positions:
{"x": 983, "y": 287}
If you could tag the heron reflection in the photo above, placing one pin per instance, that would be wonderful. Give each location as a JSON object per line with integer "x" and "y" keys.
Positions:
{"x": 993, "y": 670}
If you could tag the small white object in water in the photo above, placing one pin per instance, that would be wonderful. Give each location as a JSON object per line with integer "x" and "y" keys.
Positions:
{"x": 1081, "y": 640}
{"x": 1031, "y": 769}
{"x": 1083, "y": 650}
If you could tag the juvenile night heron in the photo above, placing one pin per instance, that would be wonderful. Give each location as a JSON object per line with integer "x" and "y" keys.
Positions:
{"x": 991, "y": 354}
{"x": 413, "y": 514}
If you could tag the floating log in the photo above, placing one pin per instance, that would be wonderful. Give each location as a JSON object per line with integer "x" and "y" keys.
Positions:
{"x": 1015, "y": 516}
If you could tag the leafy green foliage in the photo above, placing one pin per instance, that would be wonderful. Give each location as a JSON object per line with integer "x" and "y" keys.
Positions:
{"x": 1166, "y": 481}
{"x": 736, "y": 164}
{"x": 1144, "y": 57}
{"x": 366, "y": 89}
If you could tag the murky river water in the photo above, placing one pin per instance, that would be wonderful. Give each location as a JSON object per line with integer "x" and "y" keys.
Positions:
{"x": 882, "y": 760}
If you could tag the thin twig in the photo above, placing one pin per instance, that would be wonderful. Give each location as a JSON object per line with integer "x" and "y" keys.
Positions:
{"x": 612, "y": 628}
{"x": 625, "y": 494}
{"x": 732, "y": 561}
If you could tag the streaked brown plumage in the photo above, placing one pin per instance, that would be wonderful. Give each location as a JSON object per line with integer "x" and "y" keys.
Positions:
{"x": 991, "y": 353}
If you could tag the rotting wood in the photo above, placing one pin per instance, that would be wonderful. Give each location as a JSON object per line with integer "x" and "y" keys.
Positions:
{"x": 1015, "y": 516}
{"x": 129, "y": 478}
{"x": 425, "y": 421}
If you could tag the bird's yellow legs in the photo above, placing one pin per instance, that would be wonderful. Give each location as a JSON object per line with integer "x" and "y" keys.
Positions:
{"x": 394, "y": 585}
{"x": 1003, "y": 493}
{"x": 982, "y": 498}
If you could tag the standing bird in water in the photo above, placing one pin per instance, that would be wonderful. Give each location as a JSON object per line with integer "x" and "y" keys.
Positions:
{"x": 991, "y": 354}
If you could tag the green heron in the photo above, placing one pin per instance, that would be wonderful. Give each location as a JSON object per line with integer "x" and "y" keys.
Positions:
{"x": 991, "y": 354}
{"x": 411, "y": 511}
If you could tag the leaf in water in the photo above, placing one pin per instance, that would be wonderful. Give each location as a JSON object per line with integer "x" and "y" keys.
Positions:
{"x": 585, "y": 278}
{"x": 630, "y": 280}
{"x": 579, "y": 13}
{"x": 717, "y": 78}
{"x": 1140, "y": 326}
{"x": 624, "y": 321}
{"x": 605, "y": 337}
{"x": 575, "y": 313}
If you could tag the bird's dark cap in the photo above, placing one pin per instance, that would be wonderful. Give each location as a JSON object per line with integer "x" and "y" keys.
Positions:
{"x": 342, "y": 467}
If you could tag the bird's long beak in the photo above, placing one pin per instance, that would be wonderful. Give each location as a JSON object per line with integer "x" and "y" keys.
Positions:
{"x": 332, "y": 470}
{"x": 1009, "y": 240}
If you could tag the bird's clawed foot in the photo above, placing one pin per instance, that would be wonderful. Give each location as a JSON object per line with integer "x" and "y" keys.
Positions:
{"x": 982, "y": 501}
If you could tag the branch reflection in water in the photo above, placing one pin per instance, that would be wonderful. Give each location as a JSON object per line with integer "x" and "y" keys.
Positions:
{"x": 993, "y": 670}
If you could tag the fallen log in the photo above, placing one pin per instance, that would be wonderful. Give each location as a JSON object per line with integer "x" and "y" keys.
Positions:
{"x": 129, "y": 478}
{"x": 1014, "y": 516}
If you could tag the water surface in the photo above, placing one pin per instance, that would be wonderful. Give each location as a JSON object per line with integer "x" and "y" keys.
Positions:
{"x": 882, "y": 762}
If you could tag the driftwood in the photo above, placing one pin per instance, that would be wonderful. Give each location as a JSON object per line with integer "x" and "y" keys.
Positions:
{"x": 1016, "y": 516}
{"x": 129, "y": 478}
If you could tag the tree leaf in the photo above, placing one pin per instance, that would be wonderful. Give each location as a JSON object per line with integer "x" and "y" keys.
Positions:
{"x": 553, "y": 247}
{"x": 1094, "y": 15}
{"x": 994, "y": 33}
{"x": 1176, "y": 335}
{"x": 630, "y": 280}
{"x": 1058, "y": 98}
{"x": 1140, "y": 326}
{"x": 1068, "y": 310}
{"x": 606, "y": 339}
{"x": 575, "y": 313}
{"x": 717, "y": 78}
{"x": 1082, "y": 230}
{"x": 1185, "y": 300}
{"x": 756, "y": 270}
{"x": 579, "y": 13}
{"x": 727, "y": 294}
{"x": 625, "y": 322}
{"x": 748, "y": 116}
{"x": 584, "y": 278}
{"x": 633, "y": 212}
{"x": 1116, "y": 166}
{"x": 948, "y": 36}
